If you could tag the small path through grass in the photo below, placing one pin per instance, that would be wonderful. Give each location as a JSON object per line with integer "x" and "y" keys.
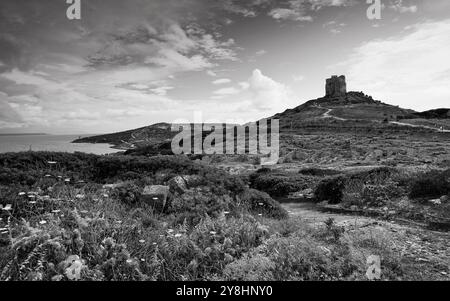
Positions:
{"x": 425, "y": 253}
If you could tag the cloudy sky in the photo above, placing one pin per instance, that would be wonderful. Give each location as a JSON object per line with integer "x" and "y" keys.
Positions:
{"x": 132, "y": 63}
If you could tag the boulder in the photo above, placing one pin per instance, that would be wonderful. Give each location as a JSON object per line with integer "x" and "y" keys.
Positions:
{"x": 156, "y": 196}
{"x": 178, "y": 185}
{"x": 193, "y": 181}
{"x": 435, "y": 202}
{"x": 302, "y": 194}
{"x": 444, "y": 198}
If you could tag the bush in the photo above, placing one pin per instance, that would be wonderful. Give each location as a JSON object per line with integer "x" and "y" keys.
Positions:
{"x": 128, "y": 193}
{"x": 432, "y": 184}
{"x": 261, "y": 203}
{"x": 330, "y": 190}
{"x": 379, "y": 195}
{"x": 198, "y": 203}
{"x": 279, "y": 184}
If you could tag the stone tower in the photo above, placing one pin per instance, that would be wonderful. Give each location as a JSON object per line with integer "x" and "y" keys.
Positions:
{"x": 336, "y": 86}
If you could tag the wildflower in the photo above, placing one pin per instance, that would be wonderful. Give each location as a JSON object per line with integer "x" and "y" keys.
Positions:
{"x": 260, "y": 204}
{"x": 52, "y": 162}
{"x": 154, "y": 243}
{"x": 142, "y": 241}
{"x": 227, "y": 243}
{"x": 67, "y": 180}
{"x": 8, "y": 207}
{"x": 178, "y": 235}
{"x": 42, "y": 222}
{"x": 74, "y": 266}
{"x": 213, "y": 232}
{"x": 260, "y": 214}
{"x": 169, "y": 231}
{"x": 32, "y": 202}
{"x": 47, "y": 176}
{"x": 142, "y": 259}
{"x": 226, "y": 212}
{"x": 79, "y": 196}
{"x": 129, "y": 261}
{"x": 228, "y": 258}
{"x": 22, "y": 193}
{"x": 56, "y": 211}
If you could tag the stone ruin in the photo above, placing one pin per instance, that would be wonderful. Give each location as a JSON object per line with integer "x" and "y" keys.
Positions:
{"x": 336, "y": 86}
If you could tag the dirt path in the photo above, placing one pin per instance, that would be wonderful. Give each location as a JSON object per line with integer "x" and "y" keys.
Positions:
{"x": 425, "y": 252}
{"x": 327, "y": 115}
{"x": 420, "y": 126}
{"x": 308, "y": 212}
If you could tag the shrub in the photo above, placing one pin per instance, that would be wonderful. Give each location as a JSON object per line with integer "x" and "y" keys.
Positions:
{"x": 128, "y": 193}
{"x": 431, "y": 184}
{"x": 378, "y": 195}
{"x": 198, "y": 203}
{"x": 330, "y": 190}
{"x": 261, "y": 203}
{"x": 279, "y": 184}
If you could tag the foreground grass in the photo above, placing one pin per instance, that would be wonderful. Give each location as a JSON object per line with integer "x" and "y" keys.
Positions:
{"x": 88, "y": 235}
{"x": 219, "y": 230}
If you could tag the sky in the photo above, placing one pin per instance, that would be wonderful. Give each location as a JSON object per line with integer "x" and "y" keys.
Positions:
{"x": 128, "y": 64}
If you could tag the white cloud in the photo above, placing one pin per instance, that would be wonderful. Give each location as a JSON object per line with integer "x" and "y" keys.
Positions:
{"x": 412, "y": 70}
{"x": 289, "y": 14}
{"x": 172, "y": 59}
{"x": 301, "y": 10}
{"x": 266, "y": 93}
{"x": 222, "y": 81}
{"x": 162, "y": 91}
{"x": 398, "y": 5}
{"x": 259, "y": 96}
{"x": 226, "y": 91}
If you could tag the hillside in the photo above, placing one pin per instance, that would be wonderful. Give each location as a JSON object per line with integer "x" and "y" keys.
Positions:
{"x": 354, "y": 110}
{"x": 338, "y": 111}
{"x": 435, "y": 114}
{"x": 136, "y": 138}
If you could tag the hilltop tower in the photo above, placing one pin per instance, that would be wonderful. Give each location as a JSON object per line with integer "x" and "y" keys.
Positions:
{"x": 336, "y": 86}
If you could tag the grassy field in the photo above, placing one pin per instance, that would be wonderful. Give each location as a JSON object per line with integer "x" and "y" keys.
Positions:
{"x": 58, "y": 220}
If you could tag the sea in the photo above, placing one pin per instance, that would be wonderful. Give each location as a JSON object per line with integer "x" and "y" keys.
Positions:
{"x": 53, "y": 143}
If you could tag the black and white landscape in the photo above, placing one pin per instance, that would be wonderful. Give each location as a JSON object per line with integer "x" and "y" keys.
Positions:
{"x": 356, "y": 186}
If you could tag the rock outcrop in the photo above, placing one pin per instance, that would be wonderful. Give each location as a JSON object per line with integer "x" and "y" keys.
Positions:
{"x": 336, "y": 86}
{"x": 156, "y": 196}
